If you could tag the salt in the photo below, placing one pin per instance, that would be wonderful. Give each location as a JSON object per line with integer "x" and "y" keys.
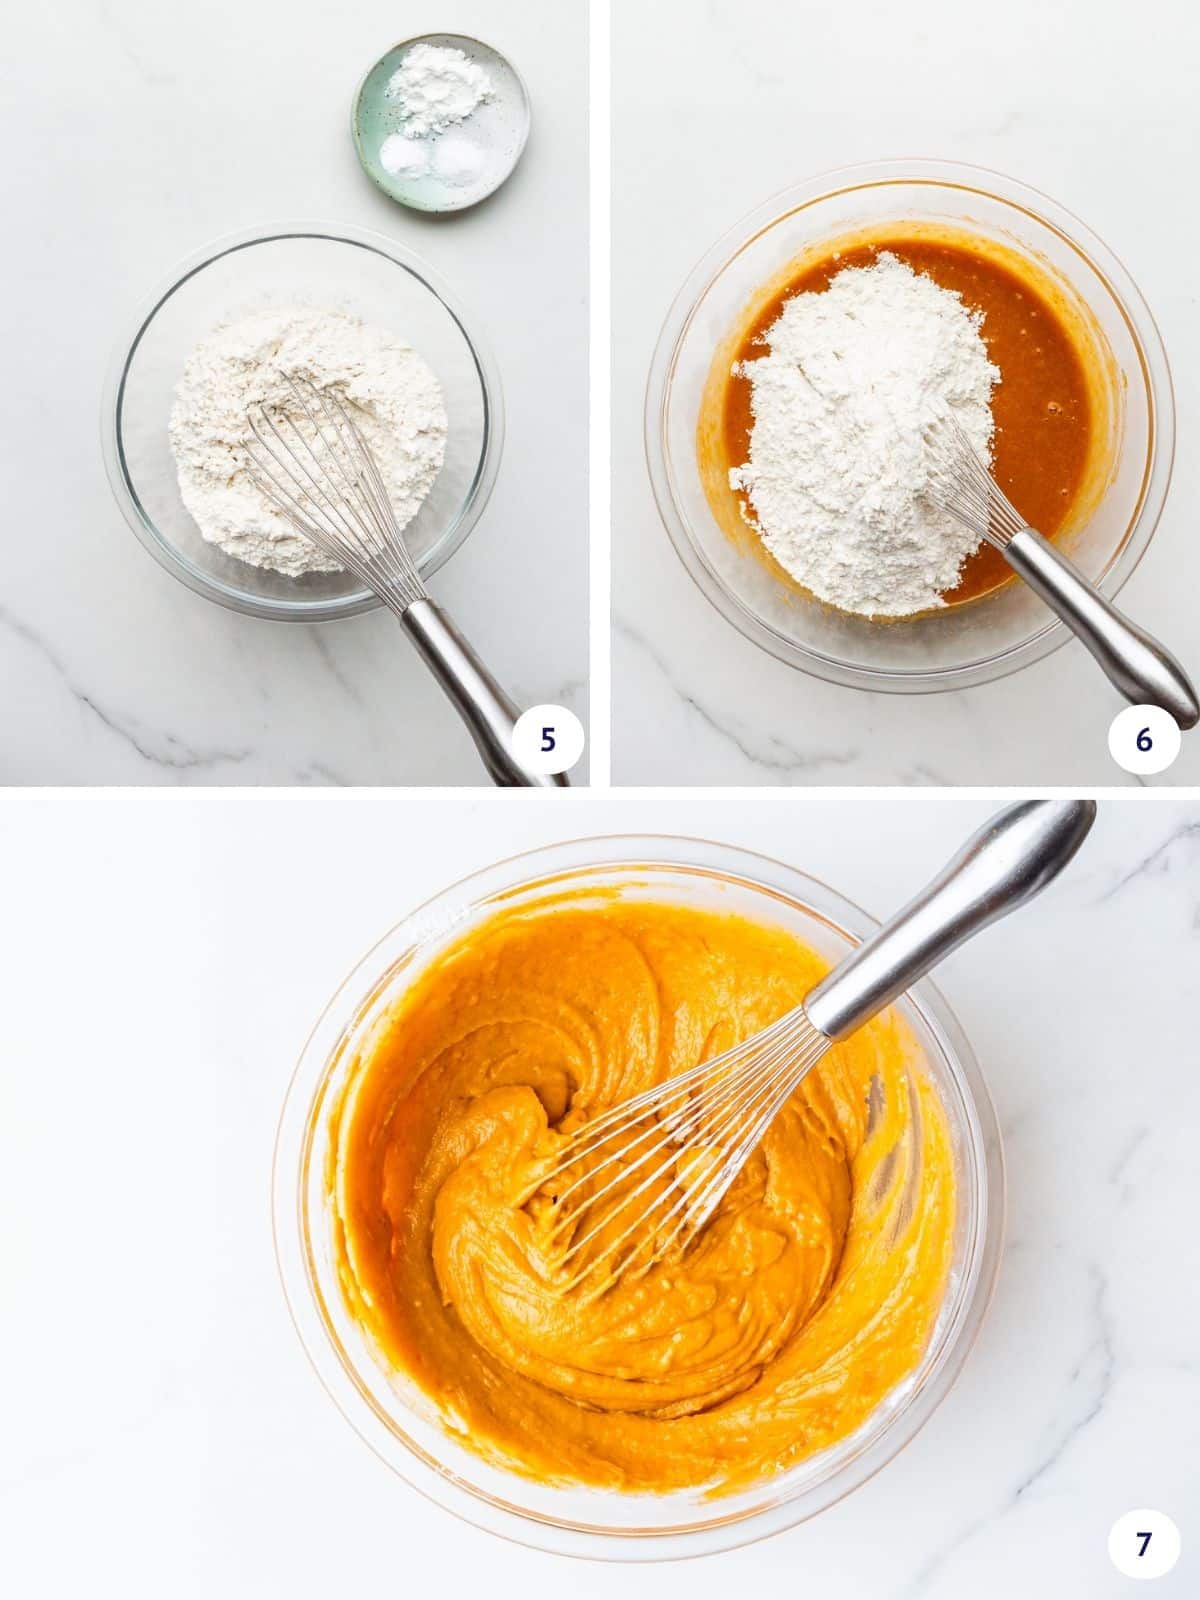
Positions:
{"x": 458, "y": 160}
{"x": 404, "y": 158}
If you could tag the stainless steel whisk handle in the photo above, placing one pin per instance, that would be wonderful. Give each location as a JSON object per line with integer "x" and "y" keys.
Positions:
{"x": 1144, "y": 671}
{"x": 488, "y": 712}
{"x": 1011, "y": 859}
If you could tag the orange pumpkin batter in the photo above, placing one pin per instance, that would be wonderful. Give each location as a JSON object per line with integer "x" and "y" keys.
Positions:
{"x": 1052, "y": 448}
{"x": 803, "y": 1303}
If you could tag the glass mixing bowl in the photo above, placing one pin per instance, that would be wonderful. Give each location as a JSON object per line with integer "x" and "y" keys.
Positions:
{"x": 329, "y": 265}
{"x": 394, "y": 1417}
{"x": 964, "y": 644}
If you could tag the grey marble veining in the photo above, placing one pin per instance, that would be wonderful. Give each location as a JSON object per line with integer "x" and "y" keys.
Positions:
{"x": 715, "y": 109}
{"x": 144, "y": 132}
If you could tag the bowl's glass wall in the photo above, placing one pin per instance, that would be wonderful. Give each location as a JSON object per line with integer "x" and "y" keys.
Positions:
{"x": 379, "y": 284}
{"x": 396, "y": 1418}
{"x": 961, "y": 644}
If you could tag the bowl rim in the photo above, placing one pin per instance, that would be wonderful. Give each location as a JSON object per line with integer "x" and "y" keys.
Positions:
{"x": 442, "y": 914}
{"x": 502, "y": 176}
{"x": 138, "y": 323}
{"x": 997, "y": 187}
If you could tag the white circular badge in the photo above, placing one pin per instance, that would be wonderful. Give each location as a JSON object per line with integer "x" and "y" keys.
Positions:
{"x": 1144, "y": 1544}
{"x": 547, "y": 739}
{"x": 1144, "y": 739}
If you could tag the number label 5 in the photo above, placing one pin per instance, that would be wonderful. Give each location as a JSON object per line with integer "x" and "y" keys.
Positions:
{"x": 548, "y": 739}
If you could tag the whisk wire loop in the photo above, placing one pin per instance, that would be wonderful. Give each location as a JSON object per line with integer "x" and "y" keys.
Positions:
{"x": 615, "y": 1126}
{"x": 696, "y": 1206}
{"x": 673, "y": 1130}
{"x": 308, "y": 454}
{"x": 694, "y": 1133}
{"x": 962, "y": 486}
{"x": 324, "y": 517}
{"x": 314, "y": 465}
{"x": 1131, "y": 658}
{"x": 673, "y": 1151}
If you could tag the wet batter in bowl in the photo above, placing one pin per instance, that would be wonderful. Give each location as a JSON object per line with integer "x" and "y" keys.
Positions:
{"x": 1052, "y": 447}
{"x": 804, "y": 1303}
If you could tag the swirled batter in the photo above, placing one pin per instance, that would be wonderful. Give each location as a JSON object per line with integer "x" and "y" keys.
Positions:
{"x": 804, "y": 1302}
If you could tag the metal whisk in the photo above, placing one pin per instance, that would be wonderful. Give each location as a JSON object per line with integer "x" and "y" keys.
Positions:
{"x": 313, "y": 464}
{"x": 648, "y": 1174}
{"x": 1133, "y": 661}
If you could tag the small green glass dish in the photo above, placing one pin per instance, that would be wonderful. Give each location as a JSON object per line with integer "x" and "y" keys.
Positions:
{"x": 463, "y": 164}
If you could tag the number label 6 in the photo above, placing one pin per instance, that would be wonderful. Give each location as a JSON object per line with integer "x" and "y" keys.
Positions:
{"x": 1144, "y": 739}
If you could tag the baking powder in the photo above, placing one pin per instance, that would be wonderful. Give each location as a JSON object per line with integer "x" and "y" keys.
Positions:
{"x": 436, "y": 86}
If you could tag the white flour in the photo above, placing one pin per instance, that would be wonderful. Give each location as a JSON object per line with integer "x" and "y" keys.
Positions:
{"x": 436, "y": 86}
{"x": 393, "y": 394}
{"x": 837, "y": 465}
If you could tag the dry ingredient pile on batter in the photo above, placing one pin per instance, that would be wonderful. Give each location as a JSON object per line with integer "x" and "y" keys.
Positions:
{"x": 391, "y": 391}
{"x": 804, "y": 1302}
{"x": 810, "y": 437}
{"x": 838, "y": 467}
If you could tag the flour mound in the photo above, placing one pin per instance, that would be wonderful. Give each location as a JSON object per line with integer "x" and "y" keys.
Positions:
{"x": 390, "y": 391}
{"x": 838, "y": 467}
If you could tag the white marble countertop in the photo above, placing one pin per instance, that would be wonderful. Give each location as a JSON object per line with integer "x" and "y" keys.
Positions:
{"x": 138, "y": 132}
{"x": 163, "y": 1433}
{"x": 716, "y": 107}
